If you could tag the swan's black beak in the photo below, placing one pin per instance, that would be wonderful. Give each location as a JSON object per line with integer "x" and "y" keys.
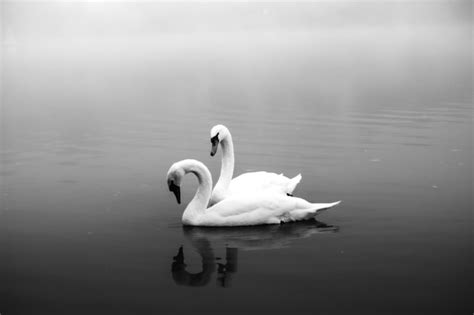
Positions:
{"x": 214, "y": 148}
{"x": 215, "y": 144}
{"x": 176, "y": 191}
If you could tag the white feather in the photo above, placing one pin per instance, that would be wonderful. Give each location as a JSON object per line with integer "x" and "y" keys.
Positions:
{"x": 265, "y": 207}
{"x": 247, "y": 183}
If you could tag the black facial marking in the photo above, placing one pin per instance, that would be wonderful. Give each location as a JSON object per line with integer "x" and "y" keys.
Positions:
{"x": 215, "y": 139}
{"x": 176, "y": 191}
{"x": 215, "y": 144}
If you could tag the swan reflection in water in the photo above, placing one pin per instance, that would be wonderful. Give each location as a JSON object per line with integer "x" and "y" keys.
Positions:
{"x": 233, "y": 239}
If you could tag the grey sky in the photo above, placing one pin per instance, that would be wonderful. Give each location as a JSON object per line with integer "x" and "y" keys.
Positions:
{"x": 107, "y": 19}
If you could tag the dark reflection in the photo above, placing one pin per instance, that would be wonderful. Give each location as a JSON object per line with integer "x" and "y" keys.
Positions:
{"x": 183, "y": 277}
{"x": 233, "y": 239}
{"x": 225, "y": 271}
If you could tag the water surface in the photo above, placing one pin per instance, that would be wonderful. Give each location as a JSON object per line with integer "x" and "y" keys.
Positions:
{"x": 377, "y": 116}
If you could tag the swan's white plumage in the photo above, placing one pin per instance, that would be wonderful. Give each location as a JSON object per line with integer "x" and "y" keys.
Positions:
{"x": 262, "y": 181}
{"x": 246, "y": 183}
{"x": 265, "y": 207}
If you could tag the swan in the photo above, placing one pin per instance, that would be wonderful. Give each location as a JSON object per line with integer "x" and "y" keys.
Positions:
{"x": 265, "y": 207}
{"x": 245, "y": 183}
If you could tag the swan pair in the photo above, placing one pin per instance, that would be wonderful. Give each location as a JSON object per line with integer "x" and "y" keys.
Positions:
{"x": 250, "y": 199}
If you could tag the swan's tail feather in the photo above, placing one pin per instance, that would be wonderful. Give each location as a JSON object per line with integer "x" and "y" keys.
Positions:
{"x": 311, "y": 210}
{"x": 293, "y": 183}
{"x": 318, "y": 207}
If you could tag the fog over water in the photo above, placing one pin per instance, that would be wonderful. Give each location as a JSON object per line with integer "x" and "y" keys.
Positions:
{"x": 370, "y": 101}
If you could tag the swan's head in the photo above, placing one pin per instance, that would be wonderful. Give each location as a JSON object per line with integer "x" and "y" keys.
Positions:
{"x": 173, "y": 178}
{"x": 218, "y": 133}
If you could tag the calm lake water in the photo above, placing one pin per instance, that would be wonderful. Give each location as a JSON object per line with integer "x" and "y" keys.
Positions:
{"x": 378, "y": 117}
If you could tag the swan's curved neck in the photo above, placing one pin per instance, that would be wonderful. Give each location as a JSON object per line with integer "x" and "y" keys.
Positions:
{"x": 227, "y": 167}
{"x": 198, "y": 204}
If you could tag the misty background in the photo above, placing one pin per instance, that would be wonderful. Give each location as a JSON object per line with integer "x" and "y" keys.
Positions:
{"x": 370, "y": 100}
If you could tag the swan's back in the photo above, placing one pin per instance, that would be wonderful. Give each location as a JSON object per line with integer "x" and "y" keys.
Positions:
{"x": 252, "y": 182}
{"x": 261, "y": 208}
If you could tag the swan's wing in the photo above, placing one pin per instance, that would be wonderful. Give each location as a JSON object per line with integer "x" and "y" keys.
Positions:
{"x": 256, "y": 179}
{"x": 261, "y": 208}
{"x": 239, "y": 204}
{"x": 260, "y": 181}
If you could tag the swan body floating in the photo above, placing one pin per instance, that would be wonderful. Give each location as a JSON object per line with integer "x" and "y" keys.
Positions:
{"x": 265, "y": 207}
{"x": 250, "y": 182}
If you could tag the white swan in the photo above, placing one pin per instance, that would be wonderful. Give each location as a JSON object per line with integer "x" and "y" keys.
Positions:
{"x": 248, "y": 182}
{"x": 267, "y": 207}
